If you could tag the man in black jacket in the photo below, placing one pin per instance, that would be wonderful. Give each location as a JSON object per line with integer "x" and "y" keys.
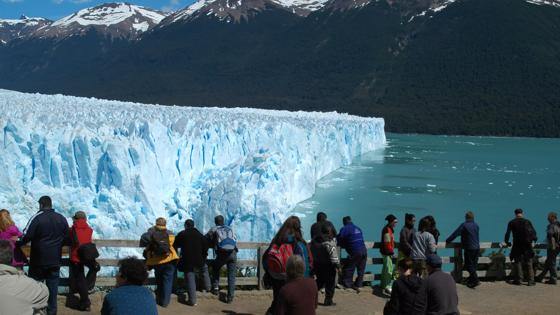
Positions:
{"x": 316, "y": 227}
{"x": 408, "y": 294}
{"x": 405, "y": 238}
{"x": 441, "y": 288}
{"x": 47, "y": 231}
{"x": 522, "y": 250}
{"x": 193, "y": 248}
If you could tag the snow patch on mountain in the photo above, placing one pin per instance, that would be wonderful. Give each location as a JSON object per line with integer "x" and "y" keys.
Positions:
{"x": 15, "y": 28}
{"x": 126, "y": 164}
{"x": 303, "y": 5}
{"x": 435, "y": 7}
{"x": 554, "y": 3}
{"x": 109, "y": 14}
{"x": 24, "y": 20}
{"x": 233, "y": 10}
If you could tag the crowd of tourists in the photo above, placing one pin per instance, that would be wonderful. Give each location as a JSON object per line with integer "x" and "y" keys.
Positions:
{"x": 295, "y": 269}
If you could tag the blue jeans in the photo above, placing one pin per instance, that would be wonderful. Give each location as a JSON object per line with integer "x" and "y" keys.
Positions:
{"x": 164, "y": 282}
{"x": 190, "y": 276}
{"x": 51, "y": 276}
{"x": 229, "y": 259}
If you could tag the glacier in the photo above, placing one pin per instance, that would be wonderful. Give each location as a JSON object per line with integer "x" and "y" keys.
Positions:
{"x": 126, "y": 164}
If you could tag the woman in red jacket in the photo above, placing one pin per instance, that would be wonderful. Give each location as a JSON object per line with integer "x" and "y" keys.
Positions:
{"x": 388, "y": 251}
{"x": 81, "y": 234}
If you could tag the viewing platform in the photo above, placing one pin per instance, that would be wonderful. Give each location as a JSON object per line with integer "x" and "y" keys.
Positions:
{"x": 493, "y": 296}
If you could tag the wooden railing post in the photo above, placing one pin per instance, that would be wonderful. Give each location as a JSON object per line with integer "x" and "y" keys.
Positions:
{"x": 260, "y": 269}
{"x": 457, "y": 263}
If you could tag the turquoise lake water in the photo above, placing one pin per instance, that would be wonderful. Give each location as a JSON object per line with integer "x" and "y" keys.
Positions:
{"x": 443, "y": 176}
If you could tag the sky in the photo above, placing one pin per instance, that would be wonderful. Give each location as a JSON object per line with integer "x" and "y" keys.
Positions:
{"x": 56, "y": 9}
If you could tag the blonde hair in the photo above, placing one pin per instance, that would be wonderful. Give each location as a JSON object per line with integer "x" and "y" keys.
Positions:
{"x": 5, "y": 220}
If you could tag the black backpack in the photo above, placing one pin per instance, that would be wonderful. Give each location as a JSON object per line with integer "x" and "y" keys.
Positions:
{"x": 86, "y": 252}
{"x": 159, "y": 243}
{"x": 531, "y": 234}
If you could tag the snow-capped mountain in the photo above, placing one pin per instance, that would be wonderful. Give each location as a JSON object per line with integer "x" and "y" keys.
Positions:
{"x": 224, "y": 10}
{"x": 10, "y": 29}
{"x": 117, "y": 20}
{"x": 235, "y": 10}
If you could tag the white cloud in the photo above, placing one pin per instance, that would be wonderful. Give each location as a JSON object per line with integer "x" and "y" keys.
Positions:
{"x": 12, "y": 1}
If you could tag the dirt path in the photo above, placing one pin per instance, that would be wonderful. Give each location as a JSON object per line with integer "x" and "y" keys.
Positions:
{"x": 489, "y": 298}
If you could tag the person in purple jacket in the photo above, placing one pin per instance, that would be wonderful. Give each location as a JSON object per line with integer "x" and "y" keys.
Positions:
{"x": 10, "y": 232}
{"x": 351, "y": 239}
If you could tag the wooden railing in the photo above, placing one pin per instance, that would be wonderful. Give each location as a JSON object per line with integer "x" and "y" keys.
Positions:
{"x": 374, "y": 258}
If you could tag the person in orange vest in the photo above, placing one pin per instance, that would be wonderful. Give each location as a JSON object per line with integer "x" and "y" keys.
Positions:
{"x": 388, "y": 251}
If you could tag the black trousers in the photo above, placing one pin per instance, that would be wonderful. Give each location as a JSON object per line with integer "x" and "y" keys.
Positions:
{"x": 276, "y": 286}
{"x": 352, "y": 262}
{"x": 520, "y": 264}
{"x": 550, "y": 264}
{"x": 326, "y": 277}
{"x": 471, "y": 263}
{"x": 82, "y": 283}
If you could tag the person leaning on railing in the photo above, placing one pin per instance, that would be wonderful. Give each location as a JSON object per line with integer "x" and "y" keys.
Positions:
{"x": 80, "y": 256}
{"x": 47, "y": 231}
{"x": 193, "y": 249}
{"x": 351, "y": 239}
{"x": 522, "y": 252}
{"x": 469, "y": 231}
{"x": 162, "y": 257}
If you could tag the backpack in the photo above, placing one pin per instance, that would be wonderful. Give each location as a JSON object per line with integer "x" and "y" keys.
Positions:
{"x": 159, "y": 243}
{"x": 225, "y": 240}
{"x": 276, "y": 260}
{"x": 531, "y": 234}
{"x": 86, "y": 252}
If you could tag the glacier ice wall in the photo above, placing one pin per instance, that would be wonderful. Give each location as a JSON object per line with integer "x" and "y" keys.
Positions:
{"x": 126, "y": 164}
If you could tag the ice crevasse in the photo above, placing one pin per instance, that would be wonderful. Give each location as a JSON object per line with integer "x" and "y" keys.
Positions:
{"x": 126, "y": 164}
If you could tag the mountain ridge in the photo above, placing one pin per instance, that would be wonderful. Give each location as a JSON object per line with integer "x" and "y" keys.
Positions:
{"x": 418, "y": 63}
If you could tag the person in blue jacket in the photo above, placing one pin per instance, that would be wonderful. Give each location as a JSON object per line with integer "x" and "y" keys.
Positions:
{"x": 468, "y": 231}
{"x": 351, "y": 239}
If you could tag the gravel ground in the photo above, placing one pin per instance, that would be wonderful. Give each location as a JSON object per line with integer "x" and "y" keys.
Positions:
{"x": 488, "y": 298}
